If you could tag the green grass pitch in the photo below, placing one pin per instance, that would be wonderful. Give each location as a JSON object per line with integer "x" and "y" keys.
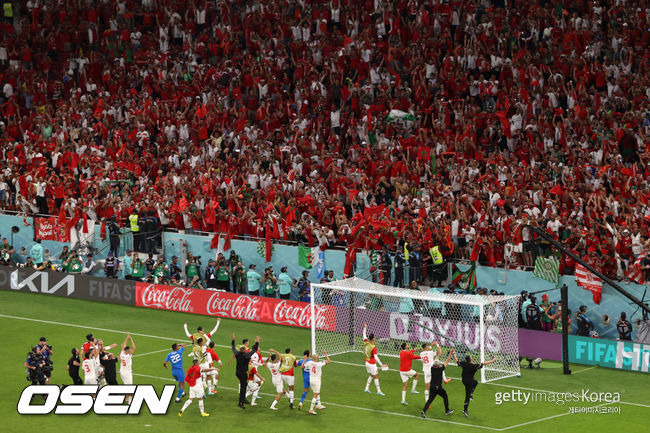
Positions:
{"x": 26, "y": 317}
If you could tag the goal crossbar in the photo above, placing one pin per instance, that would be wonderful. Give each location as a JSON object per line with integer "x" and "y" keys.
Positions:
{"x": 352, "y": 285}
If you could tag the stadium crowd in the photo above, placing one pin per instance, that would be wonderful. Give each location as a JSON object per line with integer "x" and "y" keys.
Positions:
{"x": 435, "y": 122}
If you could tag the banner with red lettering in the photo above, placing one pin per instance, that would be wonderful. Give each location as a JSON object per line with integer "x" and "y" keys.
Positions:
{"x": 48, "y": 229}
{"x": 234, "y": 306}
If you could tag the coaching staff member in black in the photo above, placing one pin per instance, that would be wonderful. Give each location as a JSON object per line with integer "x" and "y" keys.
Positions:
{"x": 73, "y": 367}
{"x": 109, "y": 361}
{"x": 467, "y": 376}
{"x": 243, "y": 359}
{"x": 436, "y": 386}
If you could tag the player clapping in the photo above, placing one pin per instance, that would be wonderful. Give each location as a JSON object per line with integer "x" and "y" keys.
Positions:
{"x": 315, "y": 368}
{"x": 126, "y": 359}
{"x": 406, "y": 357}
{"x": 371, "y": 358}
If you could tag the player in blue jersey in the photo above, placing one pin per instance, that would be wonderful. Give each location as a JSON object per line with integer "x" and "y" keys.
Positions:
{"x": 305, "y": 379}
{"x": 175, "y": 357}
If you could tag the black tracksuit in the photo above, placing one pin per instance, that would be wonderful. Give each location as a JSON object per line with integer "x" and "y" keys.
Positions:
{"x": 243, "y": 359}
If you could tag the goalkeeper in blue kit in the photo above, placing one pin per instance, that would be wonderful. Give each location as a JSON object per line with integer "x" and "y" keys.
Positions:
{"x": 305, "y": 379}
{"x": 175, "y": 357}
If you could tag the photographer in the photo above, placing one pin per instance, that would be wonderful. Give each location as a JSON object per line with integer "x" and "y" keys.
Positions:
{"x": 223, "y": 276}
{"x": 46, "y": 266}
{"x": 89, "y": 265}
{"x": 175, "y": 271}
{"x": 138, "y": 268}
{"x": 46, "y": 351}
{"x": 73, "y": 264}
{"x": 160, "y": 271}
{"x": 195, "y": 283}
{"x": 192, "y": 266}
{"x": 284, "y": 283}
{"x": 270, "y": 283}
{"x": 624, "y": 328}
{"x": 239, "y": 280}
{"x": 29, "y": 264}
{"x": 6, "y": 253}
{"x": 114, "y": 236}
{"x": 110, "y": 265}
{"x": 533, "y": 316}
{"x": 35, "y": 363}
{"x": 583, "y": 322}
{"x": 211, "y": 275}
{"x": 547, "y": 317}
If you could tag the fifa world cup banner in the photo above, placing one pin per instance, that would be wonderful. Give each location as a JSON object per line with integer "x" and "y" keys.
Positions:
{"x": 621, "y": 355}
{"x": 48, "y": 229}
{"x": 234, "y": 306}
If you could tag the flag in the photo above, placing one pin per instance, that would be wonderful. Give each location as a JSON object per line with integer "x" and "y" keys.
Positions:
{"x": 476, "y": 249}
{"x": 318, "y": 261}
{"x": 590, "y": 282}
{"x": 226, "y": 244}
{"x": 269, "y": 244}
{"x": 465, "y": 280}
{"x": 102, "y": 231}
{"x": 635, "y": 273}
{"x": 84, "y": 229}
{"x": 547, "y": 268}
{"x": 305, "y": 257}
{"x": 396, "y": 115}
{"x": 214, "y": 243}
{"x": 350, "y": 261}
{"x": 347, "y": 41}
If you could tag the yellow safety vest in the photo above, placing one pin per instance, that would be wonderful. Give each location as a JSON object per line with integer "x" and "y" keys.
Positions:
{"x": 436, "y": 255}
{"x": 8, "y": 9}
{"x": 133, "y": 219}
{"x": 406, "y": 251}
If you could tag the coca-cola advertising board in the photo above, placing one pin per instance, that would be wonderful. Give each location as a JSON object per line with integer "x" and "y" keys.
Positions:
{"x": 49, "y": 229}
{"x": 234, "y": 306}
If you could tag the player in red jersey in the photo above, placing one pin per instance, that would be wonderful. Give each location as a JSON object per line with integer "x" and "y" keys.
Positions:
{"x": 194, "y": 380}
{"x": 406, "y": 371}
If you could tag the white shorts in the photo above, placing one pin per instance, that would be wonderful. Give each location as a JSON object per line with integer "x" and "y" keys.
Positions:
{"x": 427, "y": 376}
{"x": 315, "y": 385}
{"x": 289, "y": 380}
{"x": 90, "y": 380}
{"x": 127, "y": 377}
{"x": 279, "y": 387}
{"x": 371, "y": 368}
{"x": 406, "y": 375}
{"x": 197, "y": 391}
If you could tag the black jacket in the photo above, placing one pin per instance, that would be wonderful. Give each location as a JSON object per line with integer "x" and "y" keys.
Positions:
{"x": 243, "y": 358}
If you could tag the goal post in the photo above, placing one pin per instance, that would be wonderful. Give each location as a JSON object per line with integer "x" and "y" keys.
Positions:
{"x": 483, "y": 327}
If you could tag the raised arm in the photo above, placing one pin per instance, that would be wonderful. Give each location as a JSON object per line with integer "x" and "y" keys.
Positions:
{"x": 188, "y": 332}
{"x": 486, "y": 362}
{"x": 126, "y": 340}
{"x": 232, "y": 346}
{"x": 365, "y": 327}
{"x": 451, "y": 352}
{"x": 327, "y": 358}
{"x": 215, "y": 328}
{"x": 132, "y": 342}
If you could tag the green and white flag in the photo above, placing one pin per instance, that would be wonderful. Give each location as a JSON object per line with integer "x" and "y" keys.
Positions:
{"x": 547, "y": 268}
{"x": 396, "y": 115}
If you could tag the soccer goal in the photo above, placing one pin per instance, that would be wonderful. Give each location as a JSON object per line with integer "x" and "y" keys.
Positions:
{"x": 484, "y": 327}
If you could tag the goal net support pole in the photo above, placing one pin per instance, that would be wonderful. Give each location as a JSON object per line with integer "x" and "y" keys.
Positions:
{"x": 484, "y": 327}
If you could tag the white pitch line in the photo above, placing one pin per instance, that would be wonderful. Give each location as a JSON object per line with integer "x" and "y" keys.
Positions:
{"x": 583, "y": 370}
{"x": 329, "y": 403}
{"x": 224, "y": 346}
{"x": 155, "y": 351}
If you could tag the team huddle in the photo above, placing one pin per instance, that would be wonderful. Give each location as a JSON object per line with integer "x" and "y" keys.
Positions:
{"x": 202, "y": 377}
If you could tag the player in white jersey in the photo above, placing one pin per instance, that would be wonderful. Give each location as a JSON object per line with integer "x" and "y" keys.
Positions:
{"x": 255, "y": 381}
{"x": 273, "y": 364}
{"x": 428, "y": 355}
{"x": 126, "y": 355}
{"x": 315, "y": 368}
{"x": 89, "y": 367}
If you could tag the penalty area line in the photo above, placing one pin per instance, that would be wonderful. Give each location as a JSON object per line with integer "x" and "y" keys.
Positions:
{"x": 151, "y": 353}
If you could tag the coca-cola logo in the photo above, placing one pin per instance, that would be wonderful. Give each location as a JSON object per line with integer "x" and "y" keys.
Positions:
{"x": 176, "y": 298}
{"x": 299, "y": 315}
{"x": 242, "y": 307}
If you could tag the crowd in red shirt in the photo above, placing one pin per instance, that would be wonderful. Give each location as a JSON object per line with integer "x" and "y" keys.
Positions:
{"x": 271, "y": 118}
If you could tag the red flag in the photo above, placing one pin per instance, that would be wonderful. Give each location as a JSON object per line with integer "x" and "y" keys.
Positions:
{"x": 476, "y": 249}
{"x": 62, "y": 217}
{"x": 350, "y": 258}
{"x": 347, "y": 40}
{"x": 310, "y": 236}
{"x": 84, "y": 229}
{"x": 210, "y": 215}
{"x": 268, "y": 242}
{"x": 276, "y": 229}
{"x": 102, "y": 231}
{"x": 226, "y": 243}
{"x": 557, "y": 190}
{"x": 215, "y": 241}
{"x": 589, "y": 282}
{"x": 371, "y": 211}
{"x": 635, "y": 273}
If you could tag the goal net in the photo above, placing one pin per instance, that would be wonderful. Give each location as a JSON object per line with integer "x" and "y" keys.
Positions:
{"x": 484, "y": 327}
